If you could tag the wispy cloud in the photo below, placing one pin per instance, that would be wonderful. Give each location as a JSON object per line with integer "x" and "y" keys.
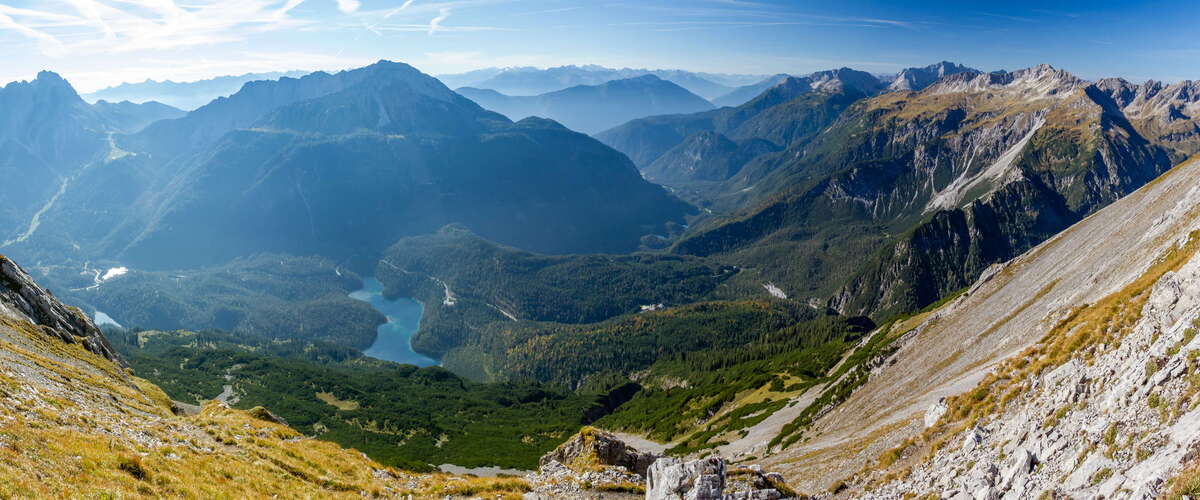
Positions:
{"x": 1056, "y": 13}
{"x": 1010, "y": 17}
{"x": 348, "y": 6}
{"x": 547, "y": 11}
{"x": 750, "y": 13}
{"x": 75, "y": 27}
{"x": 435, "y": 24}
{"x": 695, "y": 25}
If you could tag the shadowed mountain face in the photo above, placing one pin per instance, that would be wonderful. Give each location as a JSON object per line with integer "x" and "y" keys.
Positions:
{"x": 907, "y": 196}
{"x": 342, "y": 165}
{"x": 746, "y": 93}
{"x": 129, "y": 117}
{"x": 47, "y": 136}
{"x": 793, "y": 109}
{"x": 590, "y": 109}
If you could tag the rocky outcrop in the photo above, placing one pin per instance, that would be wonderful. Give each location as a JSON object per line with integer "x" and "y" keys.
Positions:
{"x": 673, "y": 479}
{"x": 23, "y": 299}
{"x": 710, "y": 479}
{"x": 593, "y": 448}
{"x": 595, "y": 464}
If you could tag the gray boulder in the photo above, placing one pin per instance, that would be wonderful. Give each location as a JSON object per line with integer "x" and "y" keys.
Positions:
{"x": 673, "y": 479}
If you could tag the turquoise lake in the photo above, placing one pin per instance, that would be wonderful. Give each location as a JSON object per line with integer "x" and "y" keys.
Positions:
{"x": 394, "y": 342}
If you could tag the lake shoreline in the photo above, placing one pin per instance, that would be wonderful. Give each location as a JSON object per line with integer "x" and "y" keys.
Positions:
{"x": 393, "y": 341}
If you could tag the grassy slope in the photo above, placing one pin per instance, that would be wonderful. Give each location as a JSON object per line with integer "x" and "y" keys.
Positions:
{"x": 73, "y": 424}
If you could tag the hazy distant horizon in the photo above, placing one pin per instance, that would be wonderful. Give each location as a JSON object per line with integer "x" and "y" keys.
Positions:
{"x": 100, "y": 43}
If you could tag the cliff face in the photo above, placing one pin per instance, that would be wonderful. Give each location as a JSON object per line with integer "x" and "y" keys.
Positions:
{"x": 21, "y": 299}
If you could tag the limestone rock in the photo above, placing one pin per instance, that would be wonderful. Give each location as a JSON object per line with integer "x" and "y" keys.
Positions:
{"x": 593, "y": 448}
{"x": 709, "y": 479}
{"x": 935, "y": 412}
{"x": 23, "y": 299}
{"x": 673, "y": 479}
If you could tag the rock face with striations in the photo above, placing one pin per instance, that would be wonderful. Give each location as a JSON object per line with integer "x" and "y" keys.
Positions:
{"x": 23, "y": 299}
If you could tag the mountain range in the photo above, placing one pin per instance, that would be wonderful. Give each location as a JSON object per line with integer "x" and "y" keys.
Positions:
{"x": 184, "y": 95}
{"x": 529, "y": 81}
{"x": 594, "y": 108}
{"x": 942, "y": 282}
{"x": 994, "y": 163}
{"x": 302, "y": 146}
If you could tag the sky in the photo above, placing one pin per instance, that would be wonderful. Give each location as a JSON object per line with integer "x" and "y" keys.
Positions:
{"x": 97, "y": 43}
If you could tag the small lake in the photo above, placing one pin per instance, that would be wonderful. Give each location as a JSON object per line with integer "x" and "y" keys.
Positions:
{"x": 101, "y": 319}
{"x": 394, "y": 342}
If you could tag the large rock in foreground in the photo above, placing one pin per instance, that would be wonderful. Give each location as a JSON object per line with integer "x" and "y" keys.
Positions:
{"x": 23, "y": 299}
{"x": 593, "y": 449}
{"x": 708, "y": 479}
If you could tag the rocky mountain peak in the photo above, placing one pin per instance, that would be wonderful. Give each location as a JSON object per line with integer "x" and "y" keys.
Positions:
{"x": 1036, "y": 82}
{"x": 792, "y": 85}
{"x": 48, "y": 89}
{"x": 411, "y": 78}
{"x": 50, "y": 80}
{"x": 1045, "y": 74}
{"x": 918, "y": 78}
{"x": 1155, "y": 101}
{"x": 22, "y": 299}
{"x": 845, "y": 79}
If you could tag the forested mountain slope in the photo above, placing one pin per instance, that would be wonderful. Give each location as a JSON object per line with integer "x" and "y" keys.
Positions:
{"x": 337, "y": 165}
{"x": 908, "y": 196}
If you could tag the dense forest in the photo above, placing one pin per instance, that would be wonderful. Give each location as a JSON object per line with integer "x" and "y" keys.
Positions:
{"x": 467, "y": 282}
{"x": 399, "y": 415}
{"x": 266, "y": 295}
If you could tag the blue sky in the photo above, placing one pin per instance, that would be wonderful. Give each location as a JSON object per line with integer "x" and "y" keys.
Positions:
{"x": 102, "y": 42}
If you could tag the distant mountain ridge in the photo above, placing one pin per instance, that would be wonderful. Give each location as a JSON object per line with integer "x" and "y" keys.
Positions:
{"x": 919, "y": 78}
{"x": 528, "y": 81}
{"x": 130, "y": 117}
{"x": 386, "y": 147}
{"x": 766, "y": 117}
{"x": 593, "y": 108}
{"x": 184, "y": 95}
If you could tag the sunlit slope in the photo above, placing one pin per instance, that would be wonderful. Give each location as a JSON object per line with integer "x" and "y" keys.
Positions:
{"x": 1011, "y": 308}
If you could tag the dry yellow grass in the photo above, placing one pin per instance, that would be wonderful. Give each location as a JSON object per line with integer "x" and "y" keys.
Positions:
{"x": 75, "y": 425}
{"x": 330, "y": 399}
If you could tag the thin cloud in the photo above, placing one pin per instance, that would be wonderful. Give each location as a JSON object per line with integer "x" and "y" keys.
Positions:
{"x": 435, "y": 24}
{"x": 1009, "y": 17}
{"x": 1056, "y": 13}
{"x": 546, "y": 11}
{"x": 62, "y": 27}
{"x": 348, "y": 6}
